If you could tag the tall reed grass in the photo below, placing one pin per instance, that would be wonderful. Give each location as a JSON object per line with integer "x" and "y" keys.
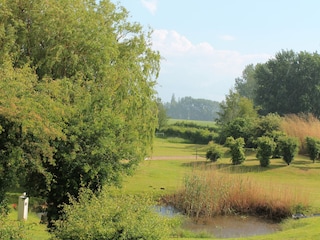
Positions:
{"x": 210, "y": 193}
{"x": 301, "y": 126}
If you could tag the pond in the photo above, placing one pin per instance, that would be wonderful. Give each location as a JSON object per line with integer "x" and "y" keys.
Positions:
{"x": 226, "y": 226}
{"x": 233, "y": 226}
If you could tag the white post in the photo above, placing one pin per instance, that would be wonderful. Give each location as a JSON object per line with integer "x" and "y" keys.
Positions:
{"x": 23, "y": 207}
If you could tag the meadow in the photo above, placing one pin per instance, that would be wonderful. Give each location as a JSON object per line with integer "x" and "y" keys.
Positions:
{"x": 165, "y": 176}
{"x": 163, "y": 173}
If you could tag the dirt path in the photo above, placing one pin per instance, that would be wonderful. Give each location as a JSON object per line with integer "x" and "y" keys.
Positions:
{"x": 174, "y": 157}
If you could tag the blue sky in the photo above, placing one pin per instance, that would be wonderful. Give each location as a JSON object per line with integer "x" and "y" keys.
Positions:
{"x": 206, "y": 44}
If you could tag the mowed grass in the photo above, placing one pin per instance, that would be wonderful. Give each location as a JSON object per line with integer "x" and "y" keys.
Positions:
{"x": 166, "y": 176}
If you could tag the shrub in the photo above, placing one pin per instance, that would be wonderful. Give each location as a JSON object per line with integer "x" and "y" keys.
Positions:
{"x": 110, "y": 217}
{"x": 289, "y": 147}
{"x": 214, "y": 151}
{"x": 276, "y": 135}
{"x": 239, "y": 128}
{"x": 313, "y": 148}
{"x": 195, "y": 135}
{"x": 266, "y": 147}
{"x": 10, "y": 229}
{"x": 268, "y": 124}
{"x": 237, "y": 150}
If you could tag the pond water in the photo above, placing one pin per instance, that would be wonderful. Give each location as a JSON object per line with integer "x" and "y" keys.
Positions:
{"x": 226, "y": 226}
{"x": 233, "y": 226}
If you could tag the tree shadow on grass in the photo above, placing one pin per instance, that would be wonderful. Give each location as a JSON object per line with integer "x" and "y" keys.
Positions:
{"x": 305, "y": 165}
{"x": 197, "y": 164}
{"x": 229, "y": 167}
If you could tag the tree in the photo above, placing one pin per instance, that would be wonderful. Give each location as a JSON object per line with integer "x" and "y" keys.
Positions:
{"x": 289, "y": 83}
{"x": 80, "y": 106}
{"x": 246, "y": 85}
{"x": 266, "y": 147}
{"x": 162, "y": 115}
{"x": 31, "y": 117}
{"x": 289, "y": 147}
{"x": 236, "y": 106}
{"x": 214, "y": 151}
{"x": 313, "y": 147}
{"x": 237, "y": 150}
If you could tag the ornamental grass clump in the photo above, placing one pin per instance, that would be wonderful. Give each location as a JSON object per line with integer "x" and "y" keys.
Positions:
{"x": 210, "y": 193}
{"x": 301, "y": 126}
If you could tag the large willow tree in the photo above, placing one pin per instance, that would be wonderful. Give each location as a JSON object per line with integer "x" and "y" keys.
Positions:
{"x": 77, "y": 99}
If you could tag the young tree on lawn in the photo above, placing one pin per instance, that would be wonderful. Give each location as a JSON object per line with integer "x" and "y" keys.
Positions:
{"x": 313, "y": 147}
{"x": 289, "y": 147}
{"x": 266, "y": 147}
{"x": 237, "y": 150}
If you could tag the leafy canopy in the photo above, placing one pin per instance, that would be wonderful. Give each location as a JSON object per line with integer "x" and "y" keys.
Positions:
{"x": 78, "y": 104}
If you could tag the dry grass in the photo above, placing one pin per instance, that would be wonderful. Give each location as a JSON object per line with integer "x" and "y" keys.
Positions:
{"x": 210, "y": 193}
{"x": 301, "y": 126}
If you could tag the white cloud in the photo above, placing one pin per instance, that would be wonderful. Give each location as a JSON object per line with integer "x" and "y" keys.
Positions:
{"x": 198, "y": 69}
{"x": 151, "y": 5}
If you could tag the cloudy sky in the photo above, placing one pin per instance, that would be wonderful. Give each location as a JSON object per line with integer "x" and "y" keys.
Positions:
{"x": 206, "y": 44}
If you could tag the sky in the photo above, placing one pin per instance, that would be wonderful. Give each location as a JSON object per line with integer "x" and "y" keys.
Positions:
{"x": 206, "y": 44}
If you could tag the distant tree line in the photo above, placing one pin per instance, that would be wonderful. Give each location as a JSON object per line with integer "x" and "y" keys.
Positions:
{"x": 192, "y": 109}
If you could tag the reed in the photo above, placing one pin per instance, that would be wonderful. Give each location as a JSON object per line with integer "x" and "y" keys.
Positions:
{"x": 301, "y": 126}
{"x": 210, "y": 193}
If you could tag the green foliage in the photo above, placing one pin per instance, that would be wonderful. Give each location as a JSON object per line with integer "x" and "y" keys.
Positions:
{"x": 10, "y": 229}
{"x": 78, "y": 102}
{"x": 313, "y": 148}
{"x": 266, "y": 147}
{"x": 111, "y": 216}
{"x": 214, "y": 151}
{"x": 197, "y": 134}
{"x": 239, "y": 127}
{"x": 289, "y": 148}
{"x": 266, "y": 125}
{"x": 236, "y": 106}
{"x": 162, "y": 115}
{"x": 237, "y": 150}
{"x": 288, "y": 83}
{"x": 246, "y": 85}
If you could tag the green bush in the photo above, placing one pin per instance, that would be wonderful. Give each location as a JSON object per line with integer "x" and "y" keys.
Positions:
{"x": 265, "y": 149}
{"x": 239, "y": 128}
{"x": 289, "y": 147}
{"x": 193, "y": 134}
{"x": 10, "y": 229}
{"x": 313, "y": 148}
{"x": 214, "y": 151}
{"x": 237, "y": 150}
{"x": 110, "y": 217}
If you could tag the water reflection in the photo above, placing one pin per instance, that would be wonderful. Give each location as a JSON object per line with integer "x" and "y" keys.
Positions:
{"x": 168, "y": 211}
{"x": 233, "y": 226}
{"x": 225, "y": 226}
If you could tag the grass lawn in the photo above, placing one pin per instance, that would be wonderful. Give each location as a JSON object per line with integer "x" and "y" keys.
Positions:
{"x": 302, "y": 176}
{"x": 157, "y": 177}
